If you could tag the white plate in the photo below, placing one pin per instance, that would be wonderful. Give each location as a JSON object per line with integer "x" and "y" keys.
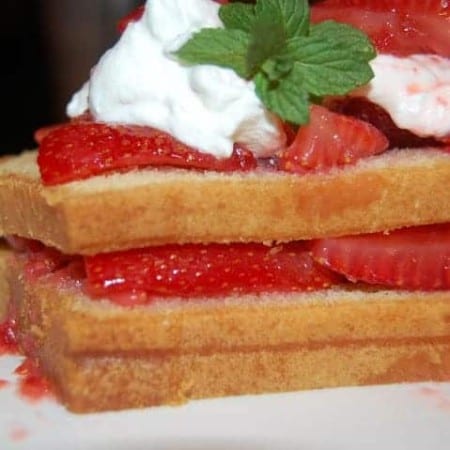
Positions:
{"x": 394, "y": 417}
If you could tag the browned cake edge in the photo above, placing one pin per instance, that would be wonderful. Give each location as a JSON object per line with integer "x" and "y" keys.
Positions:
{"x": 153, "y": 207}
{"x": 96, "y": 383}
{"x": 4, "y": 288}
{"x": 101, "y": 356}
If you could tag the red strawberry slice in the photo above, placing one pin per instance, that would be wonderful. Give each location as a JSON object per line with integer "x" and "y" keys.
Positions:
{"x": 41, "y": 260}
{"x": 133, "y": 16}
{"x": 363, "y": 109}
{"x": 399, "y": 27}
{"x": 79, "y": 150}
{"x": 202, "y": 270}
{"x": 21, "y": 245}
{"x": 8, "y": 337}
{"x": 331, "y": 139}
{"x": 42, "y": 132}
{"x": 404, "y": 6}
{"x": 44, "y": 261}
{"x": 411, "y": 258}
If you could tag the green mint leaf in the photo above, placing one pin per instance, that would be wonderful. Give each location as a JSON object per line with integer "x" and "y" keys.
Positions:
{"x": 275, "y": 70}
{"x": 217, "y": 46}
{"x": 273, "y": 23}
{"x": 238, "y": 16}
{"x": 292, "y": 62}
{"x": 293, "y": 14}
{"x": 359, "y": 44}
{"x": 286, "y": 98}
{"x": 267, "y": 39}
{"x": 333, "y": 59}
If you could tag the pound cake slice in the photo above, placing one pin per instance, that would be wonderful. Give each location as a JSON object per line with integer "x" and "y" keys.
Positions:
{"x": 104, "y": 353}
{"x": 102, "y": 356}
{"x": 4, "y": 289}
{"x": 155, "y": 207}
{"x": 213, "y": 223}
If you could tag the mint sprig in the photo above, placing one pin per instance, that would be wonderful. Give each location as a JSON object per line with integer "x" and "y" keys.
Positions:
{"x": 238, "y": 16}
{"x": 262, "y": 46}
{"x": 292, "y": 15}
{"x": 291, "y": 61}
{"x": 220, "y": 47}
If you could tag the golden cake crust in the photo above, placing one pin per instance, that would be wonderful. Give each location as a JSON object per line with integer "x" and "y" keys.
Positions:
{"x": 153, "y": 207}
{"x": 4, "y": 288}
{"x": 170, "y": 352}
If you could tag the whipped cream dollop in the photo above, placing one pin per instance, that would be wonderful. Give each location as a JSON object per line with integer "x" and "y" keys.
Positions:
{"x": 414, "y": 90}
{"x": 140, "y": 82}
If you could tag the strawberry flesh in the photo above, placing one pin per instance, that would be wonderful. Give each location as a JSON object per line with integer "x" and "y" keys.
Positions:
{"x": 82, "y": 148}
{"x": 397, "y": 27}
{"x": 133, "y": 16}
{"x": 402, "y": 6}
{"x": 410, "y": 258}
{"x": 193, "y": 270}
{"x": 44, "y": 131}
{"x": 79, "y": 150}
{"x": 331, "y": 139}
{"x": 367, "y": 111}
{"x": 416, "y": 258}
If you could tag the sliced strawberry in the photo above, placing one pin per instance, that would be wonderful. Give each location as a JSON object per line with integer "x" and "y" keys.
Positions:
{"x": 434, "y": 30}
{"x": 33, "y": 385}
{"x": 43, "y": 261}
{"x": 363, "y": 109}
{"x": 331, "y": 139}
{"x": 398, "y": 27}
{"x": 410, "y": 258}
{"x": 40, "y": 260}
{"x": 8, "y": 337}
{"x": 76, "y": 151}
{"x": 22, "y": 245}
{"x": 42, "y": 132}
{"x": 133, "y": 16}
{"x": 404, "y": 6}
{"x": 202, "y": 270}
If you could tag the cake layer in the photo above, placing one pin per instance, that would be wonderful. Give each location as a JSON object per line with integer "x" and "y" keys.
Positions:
{"x": 103, "y": 356}
{"x": 4, "y": 289}
{"x": 97, "y": 383}
{"x": 152, "y": 207}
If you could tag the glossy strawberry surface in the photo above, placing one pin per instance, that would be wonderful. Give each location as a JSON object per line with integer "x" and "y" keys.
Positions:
{"x": 8, "y": 337}
{"x": 202, "y": 270}
{"x": 403, "y": 6}
{"x": 397, "y": 27}
{"x": 329, "y": 140}
{"x": 363, "y": 109}
{"x": 45, "y": 130}
{"x": 78, "y": 150}
{"x": 410, "y": 258}
{"x": 133, "y": 16}
{"x": 416, "y": 258}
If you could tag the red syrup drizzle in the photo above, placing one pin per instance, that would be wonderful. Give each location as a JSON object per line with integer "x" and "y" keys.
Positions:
{"x": 18, "y": 434}
{"x": 32, "y": 384}
{"x": 8, "y": 340}
{"x": 8, "y": 343}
